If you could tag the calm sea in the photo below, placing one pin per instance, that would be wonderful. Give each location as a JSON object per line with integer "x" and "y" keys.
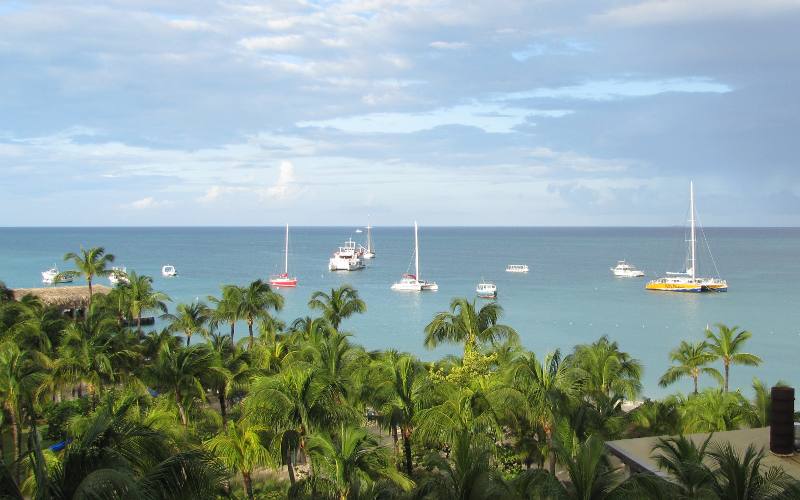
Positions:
{"x": 568, "y": 297}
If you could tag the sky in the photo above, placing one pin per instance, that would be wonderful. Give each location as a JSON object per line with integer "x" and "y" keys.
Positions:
{"x": 321, "y": 112}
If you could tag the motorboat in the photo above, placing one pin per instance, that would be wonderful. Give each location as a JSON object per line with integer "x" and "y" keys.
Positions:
{"x": 486, "y": 290}
{"x": 688, "y": 280}
{"x": 51, "y": 277}
{"x": 118, "y": 275}
{"x": 283, "y": 280}
{"x": 517, "y": 268}
{"x": 625, "y": 270}
{"x": 168, "y": 271}
{"x": 412, "y": 282}
{"x": 346, "y": 258}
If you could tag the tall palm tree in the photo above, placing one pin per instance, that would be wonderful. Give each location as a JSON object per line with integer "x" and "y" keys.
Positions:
{"x": 226, "y": 308}
{"x": 179, "y": 372}
{"x": 400, "y": 385}
{"x": 542, "y": 390}
{"x": 690, "y": 361}
{"x": 351, "y": 459}
{"x": 239, "y": 447}
{"x": 727, "y": 344}
{"x": 339, "y": 305}
{"x": 190, "y": 319}
{"x": 89, "y": 263}
{"x": 232, "y": 371}
{"x": 606, "y": 369}
{"x": 141, "y": 297}
{"x": 295, "y": 403}
{"x": 22, "y": 373}
{"x": 308, "y": 327}
{"x": 255, "y": 302}
{"x": 464, "y": 324}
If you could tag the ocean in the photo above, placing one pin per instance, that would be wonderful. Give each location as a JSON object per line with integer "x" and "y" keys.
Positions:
{"x": 568, "y": 297}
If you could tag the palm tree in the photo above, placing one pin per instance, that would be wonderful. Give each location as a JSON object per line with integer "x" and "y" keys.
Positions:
{"x": 690, "y": 359}
{"x": 742, "y": 475}
{"x": 727, "y": 344}
{"x": 352, "y": 459}
{"x": 309, "y": 327}
{"x": 226, "y": 308}
{"x": 22, "y": 373}
{"x": 90, "y": 263}
{"x": 141, "y": 297}
{"x": 239, "y": 447}
{"x": 713, "y": 411}
{"x": 656, "y": 418}
{"x": 400, "y": 386}
{"x": 232, "y": 371}
{"x": 115, "y": 455}
{"x": 342, "y": 303}
{"x": 683, "y": 460}
{"x": 190, "y": 319}
{"x": 758, "y": 412}
{"x": 466, "y": 474}
{"x": 6, "y": 294}
{"x": 255, "y": 301}
{"x": 464, "y": 324}
{"x": 542, "y": 391}
{"x": 179, "y": 372}
{"x": 607, "y": 370}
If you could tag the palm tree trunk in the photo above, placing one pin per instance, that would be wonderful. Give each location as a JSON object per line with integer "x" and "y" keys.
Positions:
{"x": 290, "y": 465}
{"x": 727, "y": 372}
{"x": 12, "y": 422}
{"x": 395, "y": 439}
{"x": 89, "y": 280}
{"x": 250, "y": 332}
{"x": 550, "y": 451}
{"x": 181, "y": 410}
{"x": 188, "y": 338}
{"x": 222, "y": 409}
{"x": 139, "y": 324}
{"x": 694, "y": 377}
{"x": 407, "y": 448}
{"x": 233, "y": 331}
{"x": 248, "y": 484}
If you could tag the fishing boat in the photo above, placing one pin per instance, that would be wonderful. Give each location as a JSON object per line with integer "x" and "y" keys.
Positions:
{"x": 169, "y": 271}
{"x": 688, "y": 280}
{"x": 486, "y": 290}
{"x": 625, "y": 270}
{"x": 369, "y": 251}
{"x": 118, "y": 275}
{"x": 412, "y": 282}
{"x": 517, "y": 268}
{"x": 50, "y": 277}
{"x": 283, "y": 280}
{"x": 346, "y": 258}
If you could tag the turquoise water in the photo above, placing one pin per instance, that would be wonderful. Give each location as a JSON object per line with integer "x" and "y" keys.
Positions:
{"x": 568, "y": 297}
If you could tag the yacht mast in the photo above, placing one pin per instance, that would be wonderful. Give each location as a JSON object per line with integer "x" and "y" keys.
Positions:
{"x": 286, "y": 253}
{"x": 692, "y": 221}
{"x": 416, "y": 252}
{"x": 369, "y": 238}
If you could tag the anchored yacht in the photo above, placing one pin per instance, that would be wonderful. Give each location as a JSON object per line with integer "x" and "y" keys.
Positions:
{"x": 347, "y": 258}
{"x": 625, "y": 270}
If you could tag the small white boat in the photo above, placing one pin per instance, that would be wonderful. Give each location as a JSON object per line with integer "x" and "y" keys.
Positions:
{"x": 412, "y": 282}
{"x": 517, "y": 268}
{"x": 169, "y": 271}
{"x": 359, "y": 231}
{"x": 347, "y": 258}
{"x": 118, "y": 275}
{"x": 369, "y": 252}
{"x": 625, "y": 270}
{"x": 283, "y": 280}
{"x": 49, "y": 277}
{"x": 486, "y": 290}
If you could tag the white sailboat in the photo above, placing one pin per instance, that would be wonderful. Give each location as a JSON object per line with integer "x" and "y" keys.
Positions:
{"x": 688, "y": 281}
{"x": 283, "y": 279}
{"x": 369, "y": 252}
{"x": 413, "y": 282}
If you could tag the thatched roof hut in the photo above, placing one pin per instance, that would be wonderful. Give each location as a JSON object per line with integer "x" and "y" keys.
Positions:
{"x": 67, "y": 297}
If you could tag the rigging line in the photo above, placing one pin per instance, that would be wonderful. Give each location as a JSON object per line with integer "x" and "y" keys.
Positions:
{"x": 708, "y": 247}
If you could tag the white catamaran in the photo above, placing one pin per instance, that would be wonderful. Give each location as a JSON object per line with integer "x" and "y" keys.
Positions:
{"x": 412, "y": 282}
{"x": 688, "y": 281}
{"x": 283, "y": 279}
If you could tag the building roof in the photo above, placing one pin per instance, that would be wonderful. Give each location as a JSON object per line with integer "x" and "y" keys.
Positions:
{"x": 637, "y": 453}
{"x": 68, "y": 297}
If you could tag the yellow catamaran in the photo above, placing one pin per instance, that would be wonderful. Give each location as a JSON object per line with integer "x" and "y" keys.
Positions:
{"x": 688, "y": 281}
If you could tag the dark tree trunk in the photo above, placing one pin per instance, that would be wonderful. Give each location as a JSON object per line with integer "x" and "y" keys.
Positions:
{"x": 89, "y": 280}
{"x": 222, "y": 408}
{"x": 188, "y": 339}
{"x": 233, "y": 332}
{"x": 407, "y": 449}
{"x": 290, "y": 465}
{"x": 248, "y": 484}
{"x": 250, "y": 332}
{"x": 395, "y": 439}
{"x": 727, "y": 372}
{"x": 551, "y": 452}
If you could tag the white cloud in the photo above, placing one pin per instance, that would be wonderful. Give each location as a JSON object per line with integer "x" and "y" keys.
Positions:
{"x": 146, "y": 203}
{"x": 279, "y": 43}
{"x": 285, "y": 187}
{"x": 190, "y": 25}
{"x": 603, "y": 90}
{"x": 667, "y": 11}
{"x": 448, "y": 45}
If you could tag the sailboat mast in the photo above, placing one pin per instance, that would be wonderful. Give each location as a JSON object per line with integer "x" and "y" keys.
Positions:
{"x": 416, "y": 252}
{"x": 692, "y": 221}
{"x": 286, "y": 253}
{"x": 369, "y": 238}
